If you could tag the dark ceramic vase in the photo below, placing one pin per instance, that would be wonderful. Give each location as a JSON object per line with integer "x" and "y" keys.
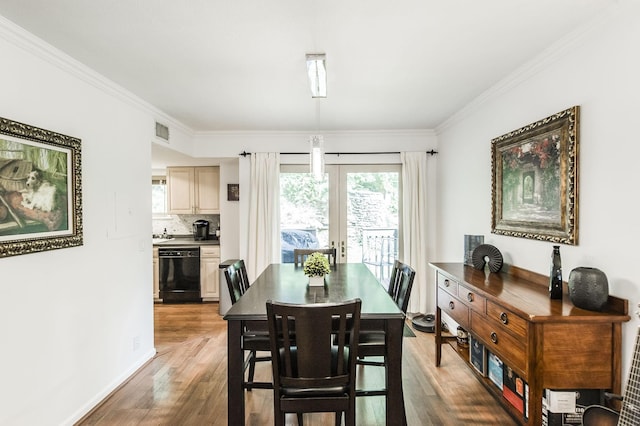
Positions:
{"x": 588, "y": 288}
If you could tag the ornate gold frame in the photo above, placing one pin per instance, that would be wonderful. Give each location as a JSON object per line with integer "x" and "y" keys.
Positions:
{"x": 535, "y": 180}
{"x": 17, "y": 240}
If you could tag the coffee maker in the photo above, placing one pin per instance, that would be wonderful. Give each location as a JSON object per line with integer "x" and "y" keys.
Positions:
{"x": 200, "y": 230}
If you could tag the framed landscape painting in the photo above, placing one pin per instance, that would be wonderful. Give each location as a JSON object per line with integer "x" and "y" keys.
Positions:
{"x": 535, "y": 180}
{"x": 40, "y": 189}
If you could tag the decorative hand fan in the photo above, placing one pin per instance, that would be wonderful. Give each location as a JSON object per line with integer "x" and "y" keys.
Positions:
{"x": 486, "y": 253}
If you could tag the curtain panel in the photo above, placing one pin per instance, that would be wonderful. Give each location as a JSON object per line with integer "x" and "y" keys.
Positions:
{"x": 414, "y": 225}
{"x": 263, "y": 245}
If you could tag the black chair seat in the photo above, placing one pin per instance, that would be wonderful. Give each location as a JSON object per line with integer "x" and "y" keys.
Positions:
{"x": 315, "y": 392}
{"x": 371, "y": 339}
{"x": 256, "y": 343}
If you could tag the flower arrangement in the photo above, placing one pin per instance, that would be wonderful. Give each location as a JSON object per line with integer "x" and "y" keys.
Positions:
{"x": 316, "y": 265}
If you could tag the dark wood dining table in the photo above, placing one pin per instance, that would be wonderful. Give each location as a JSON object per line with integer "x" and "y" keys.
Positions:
{"x": 287, "y": 283}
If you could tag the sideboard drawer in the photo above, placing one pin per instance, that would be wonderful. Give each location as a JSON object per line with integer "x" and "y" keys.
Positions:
{"x": 507, "y": 320}
{"x": 512, "y": 351}
{"x": 477, "y": 302}
{"x": 448, "y": 285}
{"x": 453, "y": 307}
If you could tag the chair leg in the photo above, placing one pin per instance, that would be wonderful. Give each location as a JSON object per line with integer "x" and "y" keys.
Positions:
{"x": 339, "y": 418}
{"x": 278, "y": 415}
{"x": 300, "y": 422}
{"x": 252, "y": 367}
{"x": 350, "y": 417}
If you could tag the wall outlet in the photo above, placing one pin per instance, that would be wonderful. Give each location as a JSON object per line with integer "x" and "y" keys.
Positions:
{"x": 136, "y": 343}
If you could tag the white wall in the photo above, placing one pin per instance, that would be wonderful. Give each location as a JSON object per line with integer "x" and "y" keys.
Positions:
{"x": 76, "y": 322}
{"x": 597, "y": 69}
{"x": 230, "y": 210}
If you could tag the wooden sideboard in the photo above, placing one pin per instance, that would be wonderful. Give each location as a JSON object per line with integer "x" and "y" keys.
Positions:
{"x": 550, "y": 344}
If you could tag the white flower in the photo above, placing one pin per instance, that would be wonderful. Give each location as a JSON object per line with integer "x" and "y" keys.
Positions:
{"x": 316, "y": 265}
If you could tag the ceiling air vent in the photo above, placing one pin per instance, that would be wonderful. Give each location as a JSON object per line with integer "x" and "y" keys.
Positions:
{"x": 162, "y": 131}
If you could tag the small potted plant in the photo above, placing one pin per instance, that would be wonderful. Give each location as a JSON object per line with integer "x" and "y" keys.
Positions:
{"x": 315, "y": 267}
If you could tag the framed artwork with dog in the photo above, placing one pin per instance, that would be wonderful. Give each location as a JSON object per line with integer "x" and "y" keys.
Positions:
{"x": 40, "y": 189}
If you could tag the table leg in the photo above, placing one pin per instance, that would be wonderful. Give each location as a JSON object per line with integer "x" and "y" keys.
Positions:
{"x": 235, "y": 393}
{"x": 395, "y": 398}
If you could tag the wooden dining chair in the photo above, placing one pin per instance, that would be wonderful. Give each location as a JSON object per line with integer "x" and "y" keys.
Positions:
{"x": 237, "y": 280}
{"x": 299, "y": 255}
{"x": 312, "y": 372}
{"x": 372, "y": 342}
{"x": 255, "y": 336}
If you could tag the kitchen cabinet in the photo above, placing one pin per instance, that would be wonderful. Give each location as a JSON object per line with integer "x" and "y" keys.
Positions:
{"x": 193, "y": 190}
{"x": 209, "y": 273}
{"x": 156, "y": 276}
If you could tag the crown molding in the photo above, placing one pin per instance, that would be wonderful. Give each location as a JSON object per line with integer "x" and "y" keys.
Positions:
{"x": 31, "y": 44}
{"x": 230, "y": 134}
{"x": 535, "y": 65}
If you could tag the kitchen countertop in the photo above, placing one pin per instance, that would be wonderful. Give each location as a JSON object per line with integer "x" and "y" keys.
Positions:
{"x": 183, "y": 241}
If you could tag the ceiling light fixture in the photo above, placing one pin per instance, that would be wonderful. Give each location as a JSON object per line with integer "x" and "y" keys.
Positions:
{"x": 317, "y": 71}
{"x": 316, "y": 157}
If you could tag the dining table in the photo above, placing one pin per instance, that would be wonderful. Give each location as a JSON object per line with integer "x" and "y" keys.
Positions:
{"x": 287, "y": 283}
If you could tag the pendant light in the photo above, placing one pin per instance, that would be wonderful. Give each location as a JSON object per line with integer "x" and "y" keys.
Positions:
{"x": 316, "y": 156}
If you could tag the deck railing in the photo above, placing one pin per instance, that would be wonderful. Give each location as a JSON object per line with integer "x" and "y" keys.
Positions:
{"x": 379, "y": 251}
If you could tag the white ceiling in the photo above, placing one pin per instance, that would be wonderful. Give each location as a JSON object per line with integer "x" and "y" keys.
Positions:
{"x": 240, "y": 65}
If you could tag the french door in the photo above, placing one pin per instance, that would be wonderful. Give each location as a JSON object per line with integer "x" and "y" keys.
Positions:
{"x": 355, "y": 208}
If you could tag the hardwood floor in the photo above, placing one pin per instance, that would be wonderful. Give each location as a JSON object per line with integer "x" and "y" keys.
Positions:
{"x": 186, "y": 382}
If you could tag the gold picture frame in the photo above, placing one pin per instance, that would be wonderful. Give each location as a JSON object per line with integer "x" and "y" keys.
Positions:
{"x": 40, "y": 189}
{"x": 535, "y": 180}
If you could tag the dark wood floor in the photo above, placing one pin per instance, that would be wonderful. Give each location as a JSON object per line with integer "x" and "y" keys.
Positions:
{"x": 186, "y": 382}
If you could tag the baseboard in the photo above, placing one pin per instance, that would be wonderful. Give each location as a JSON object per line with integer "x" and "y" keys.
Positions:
{"x": 99, "y": 399}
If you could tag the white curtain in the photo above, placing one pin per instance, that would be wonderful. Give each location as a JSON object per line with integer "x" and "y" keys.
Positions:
{"x": 414, "y": 225}
{"x": 263, "y": 245}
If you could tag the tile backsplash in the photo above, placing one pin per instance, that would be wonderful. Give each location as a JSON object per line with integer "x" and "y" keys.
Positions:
{"x": 181, "y": 224}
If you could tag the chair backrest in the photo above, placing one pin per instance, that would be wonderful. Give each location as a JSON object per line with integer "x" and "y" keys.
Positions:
{"x": 314, "y": 345}
{"x": 237, "y": 280}
{"x": 299, "y": 255}
{"x": 401, "y": 283}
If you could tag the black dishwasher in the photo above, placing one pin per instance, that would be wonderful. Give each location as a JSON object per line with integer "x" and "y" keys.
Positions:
{"x": 179, "y": 274}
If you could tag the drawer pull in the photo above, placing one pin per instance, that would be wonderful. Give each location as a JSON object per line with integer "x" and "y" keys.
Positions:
{"x": 494, "y": 337}
{"x": 451, "y": 305}
{"x": 470, "y": 297}
{"x": 447, "y": 283}
{"x": 504, "y": 318}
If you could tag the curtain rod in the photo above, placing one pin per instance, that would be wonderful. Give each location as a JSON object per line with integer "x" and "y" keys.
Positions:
{"x": 431, "y": 152}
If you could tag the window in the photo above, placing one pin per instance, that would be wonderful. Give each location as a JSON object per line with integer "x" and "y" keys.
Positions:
{"x": 159, "y": 195}
{"x": 354, "y": 208}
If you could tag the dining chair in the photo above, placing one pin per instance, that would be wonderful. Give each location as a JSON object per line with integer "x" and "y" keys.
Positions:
{"x": 255, "y": 336}
{"x": 372, "y": 342}
{"x": 299, "y": 255}
{"x": 314, "y": 349}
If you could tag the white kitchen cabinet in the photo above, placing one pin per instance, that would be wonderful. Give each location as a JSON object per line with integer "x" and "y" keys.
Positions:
{"x": 209, "y": 273}
{"x": 156, "y": 275}
{"x": 193, "y": 190}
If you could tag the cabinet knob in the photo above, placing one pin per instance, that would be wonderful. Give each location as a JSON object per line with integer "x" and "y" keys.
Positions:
{"x": 470, "y": 297}
{"x": 451, "y": 305}
{"x": 494, "y": 337}
{"x": 447, "y": 283}
{"x": 504, "y": 318}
